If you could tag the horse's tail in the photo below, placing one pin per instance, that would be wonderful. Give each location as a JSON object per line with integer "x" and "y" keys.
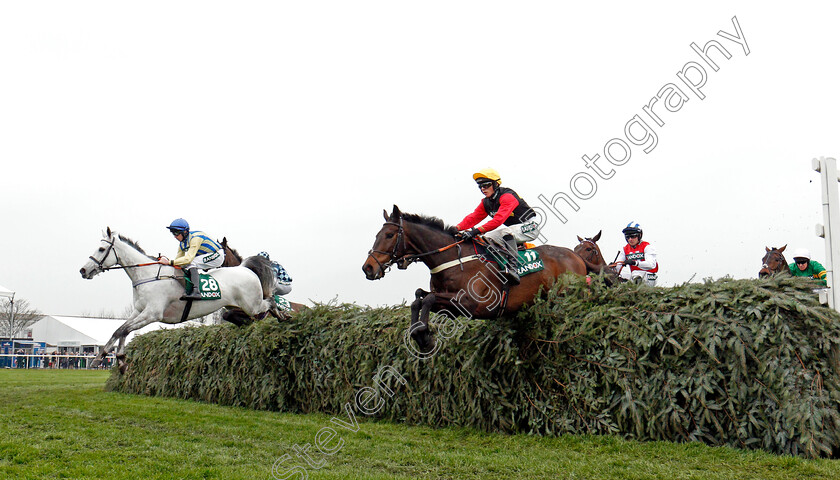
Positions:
{"x": 262, "y": 267}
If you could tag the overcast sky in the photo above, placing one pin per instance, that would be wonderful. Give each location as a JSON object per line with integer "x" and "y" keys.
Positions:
{"x": 289, "y": 127}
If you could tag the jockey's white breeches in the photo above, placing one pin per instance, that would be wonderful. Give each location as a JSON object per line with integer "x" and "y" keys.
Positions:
{"x": 208, "y": 261}
{"x": 521, "y": 232}
{"x": 644, "y": 276}
{"x": 281, "y": 288}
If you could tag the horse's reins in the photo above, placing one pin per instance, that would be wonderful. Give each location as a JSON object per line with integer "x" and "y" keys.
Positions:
{"x": 416, "y": 256}
{"x": 120, "y": 267}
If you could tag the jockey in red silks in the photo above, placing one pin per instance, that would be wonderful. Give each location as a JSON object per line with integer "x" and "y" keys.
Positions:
{"x": 638, "y": 255}
{"x": 512, "y": 221}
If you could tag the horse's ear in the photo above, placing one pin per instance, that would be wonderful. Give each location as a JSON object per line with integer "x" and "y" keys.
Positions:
{"x": 597, "y": 237}
{"x": 385, "y": 214}
{"x": 783, "y": 248}
{"x": 108, "y": 232}
{"x": 580, "y": 240}
{"x": 396, "y": 214}
{"x": 767, "y": 248}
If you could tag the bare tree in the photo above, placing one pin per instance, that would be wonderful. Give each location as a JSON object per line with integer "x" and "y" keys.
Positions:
{"x": 13, "y": 323}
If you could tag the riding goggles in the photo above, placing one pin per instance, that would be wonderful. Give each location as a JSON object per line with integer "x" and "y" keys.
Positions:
{"x": 483, "y": 185}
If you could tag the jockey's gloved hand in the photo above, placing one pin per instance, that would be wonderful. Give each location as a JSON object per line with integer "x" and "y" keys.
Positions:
{"x": 631, "y": 262}
{"x": 467, "y": 234}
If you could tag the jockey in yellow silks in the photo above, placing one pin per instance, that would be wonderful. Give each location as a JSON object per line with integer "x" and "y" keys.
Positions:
{"x": 196, "y": 251}
{"x": 511, "y": 222}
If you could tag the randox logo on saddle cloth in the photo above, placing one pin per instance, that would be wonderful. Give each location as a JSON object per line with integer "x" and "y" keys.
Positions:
{"x": 208, "y": 287}
{"x": 529, "y": 260}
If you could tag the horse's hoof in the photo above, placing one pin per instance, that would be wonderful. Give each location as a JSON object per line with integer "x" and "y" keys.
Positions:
{"x": 418, "y": 328}
{"x": 424, "y": 339}
{"x": 426, "y": 344}
{"x": 96, "y": 362}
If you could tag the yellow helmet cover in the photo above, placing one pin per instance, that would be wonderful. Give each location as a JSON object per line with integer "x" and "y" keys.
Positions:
{"x": 487, "y": 174}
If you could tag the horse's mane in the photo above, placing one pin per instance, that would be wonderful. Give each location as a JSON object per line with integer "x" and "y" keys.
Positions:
{"x": 134, "y": 244}
{"x": 429, "y": 221}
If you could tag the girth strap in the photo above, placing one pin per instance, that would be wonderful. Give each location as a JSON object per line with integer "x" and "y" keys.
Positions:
{"x": 444, "y": 266}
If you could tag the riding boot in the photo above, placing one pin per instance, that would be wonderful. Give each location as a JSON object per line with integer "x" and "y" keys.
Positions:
{"x": 512, "y": 266}
{"x": 194, "y": 294}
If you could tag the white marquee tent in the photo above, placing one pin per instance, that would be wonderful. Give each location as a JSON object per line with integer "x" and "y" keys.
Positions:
{"x": 64, "y": 331}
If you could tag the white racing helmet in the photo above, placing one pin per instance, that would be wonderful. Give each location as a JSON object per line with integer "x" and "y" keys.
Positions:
{"x": 802, "y": 253}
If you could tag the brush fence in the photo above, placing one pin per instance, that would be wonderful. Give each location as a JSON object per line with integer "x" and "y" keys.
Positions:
{"x": 743, "y": 363}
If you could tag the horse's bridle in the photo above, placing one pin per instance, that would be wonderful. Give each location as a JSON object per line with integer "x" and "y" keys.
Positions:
{"x": 766, "y": 258}
{"x": 118, "y": 265}
{"x": 393, "y": 257}
{"x": 589, "y": 241}
{"x": 403, "y": 261}
{"x": 99, "y": 263}
{"x": 586, "y": 240}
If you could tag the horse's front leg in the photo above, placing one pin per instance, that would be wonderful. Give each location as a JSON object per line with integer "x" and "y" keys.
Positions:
{"x": 107, "y": 348}
{"x": 116, "y": 337}
{"x": 121, "y": 345}
{"x": 416, "y": 306}
{"x": 141, "y": 320}
{"x": 419, "y": 328}
{"x": 120, "y": 354}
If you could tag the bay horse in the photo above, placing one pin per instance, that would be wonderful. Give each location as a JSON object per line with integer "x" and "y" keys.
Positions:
{"x": 157, "y": 289}
{"x": 588, "y": 249}
{"x": 461, "y": 283}
{"x": 233, "y": 259}
{"x": 773, "y": 262}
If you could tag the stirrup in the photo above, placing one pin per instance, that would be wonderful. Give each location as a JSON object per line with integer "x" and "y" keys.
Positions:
{"x": 511, "y": 274}
{"x": 192, "y": 296}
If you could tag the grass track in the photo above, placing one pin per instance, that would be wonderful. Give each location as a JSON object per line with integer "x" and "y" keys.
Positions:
{"x": 61, "y": 424}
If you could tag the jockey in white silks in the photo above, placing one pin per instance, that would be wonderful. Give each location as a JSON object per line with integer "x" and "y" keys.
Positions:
{"x": 196, "y": 251}
{"x": 638, "y": 255}
{"x": 512, "y": 220}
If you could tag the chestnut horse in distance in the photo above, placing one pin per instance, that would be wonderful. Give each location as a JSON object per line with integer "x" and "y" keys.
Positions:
{"x": 773, "y": 262}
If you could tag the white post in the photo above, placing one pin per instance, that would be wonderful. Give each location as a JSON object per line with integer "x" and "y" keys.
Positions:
{"x": 827, "y": 167}
{"x": 12, "y": 316}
